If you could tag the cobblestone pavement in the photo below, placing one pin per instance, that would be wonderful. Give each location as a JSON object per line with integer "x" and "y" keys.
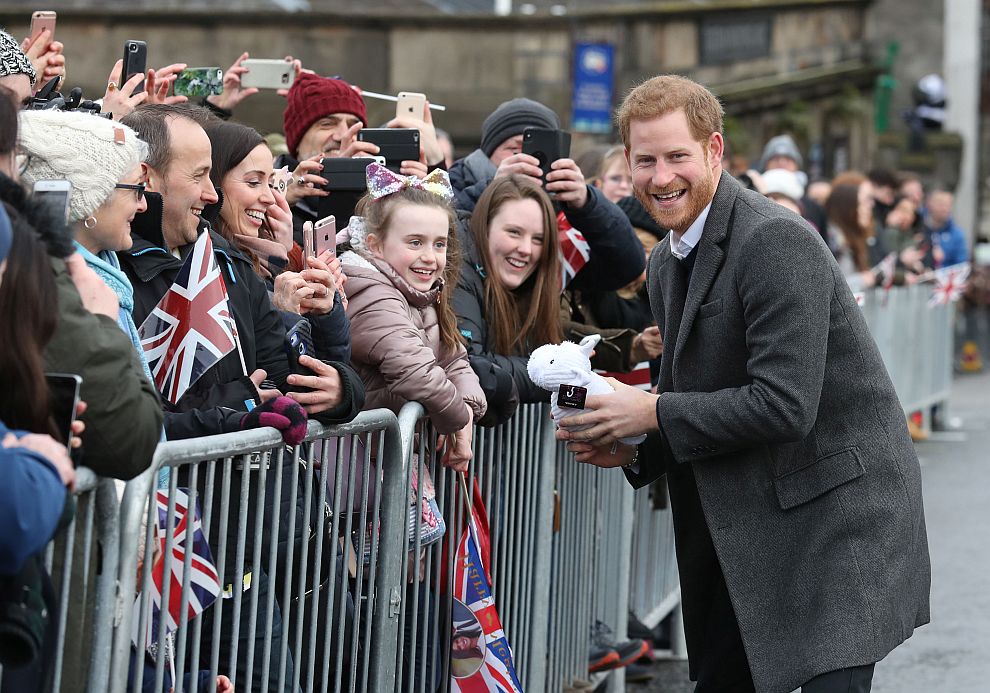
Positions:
{"x": 949, "y": 654}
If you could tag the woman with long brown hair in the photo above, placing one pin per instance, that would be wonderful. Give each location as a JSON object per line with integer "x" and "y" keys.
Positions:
{"x": 508, "y": 298}
{"x": 852, "y": 237}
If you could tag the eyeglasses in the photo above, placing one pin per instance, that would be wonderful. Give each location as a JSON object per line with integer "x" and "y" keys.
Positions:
{"x": 138, "y": 189}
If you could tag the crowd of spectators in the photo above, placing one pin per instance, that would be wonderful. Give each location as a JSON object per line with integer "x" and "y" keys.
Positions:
{"x": 449, "y": 274}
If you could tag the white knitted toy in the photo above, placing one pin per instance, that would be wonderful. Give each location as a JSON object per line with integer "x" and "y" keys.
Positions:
{"x": 567, "y": 363}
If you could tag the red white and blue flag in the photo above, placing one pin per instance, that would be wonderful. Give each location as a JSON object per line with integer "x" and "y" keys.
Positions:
{"x": 574, "y": 250}
{"x": 204, "y": 582}
{"x": 191, "y": 328}
{"x": 471, "y": 586}
{"x": 950, "y": 282}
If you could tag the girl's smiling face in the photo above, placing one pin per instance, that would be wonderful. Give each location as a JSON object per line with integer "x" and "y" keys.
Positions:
{"x": 414, "y": 244}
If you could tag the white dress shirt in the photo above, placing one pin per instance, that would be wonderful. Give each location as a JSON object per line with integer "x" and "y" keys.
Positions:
{"x": 681, "y": 245}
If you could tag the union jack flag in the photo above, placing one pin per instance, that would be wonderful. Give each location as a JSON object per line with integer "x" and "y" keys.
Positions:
{"x": 471, "y": 587}
{"x": 574, "y": 250}
{"x": 887, "y": 269}
{"x": 204, "y": 582}
{"x": 191, "y": 328}
{"x": 950, "y": 282}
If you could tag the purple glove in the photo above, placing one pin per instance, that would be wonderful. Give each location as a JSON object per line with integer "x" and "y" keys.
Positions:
{"x": 283, "y": 413}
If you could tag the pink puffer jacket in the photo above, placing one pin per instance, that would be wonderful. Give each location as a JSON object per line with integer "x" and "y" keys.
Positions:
{"x": 396, "y": 348}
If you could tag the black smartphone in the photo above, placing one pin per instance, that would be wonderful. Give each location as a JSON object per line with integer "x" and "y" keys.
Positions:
{"x": 346, "y": 174}
{"x": 63, "y": 395}
{"x": 299, "y": 342}
{"x": 547, "y": 145}
{"x": 135, "y": 62}
{"x": 395, "y": 144}
{"x": 347, "y": 182}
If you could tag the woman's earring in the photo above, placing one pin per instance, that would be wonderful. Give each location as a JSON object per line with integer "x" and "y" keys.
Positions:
{"x": 90, "y": 223}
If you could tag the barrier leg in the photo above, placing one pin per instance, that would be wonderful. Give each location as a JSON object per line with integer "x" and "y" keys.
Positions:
{"x": 678, "y": 643}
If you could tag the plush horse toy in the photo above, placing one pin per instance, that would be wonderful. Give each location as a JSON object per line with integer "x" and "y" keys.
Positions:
{"x": 567, "y": 363}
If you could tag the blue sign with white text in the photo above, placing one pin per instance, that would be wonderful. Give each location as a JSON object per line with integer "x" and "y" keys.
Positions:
{"x": 591, "y": 104}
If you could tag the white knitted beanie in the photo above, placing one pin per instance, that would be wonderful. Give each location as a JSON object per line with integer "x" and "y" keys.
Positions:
{"x": 91, "y": 152}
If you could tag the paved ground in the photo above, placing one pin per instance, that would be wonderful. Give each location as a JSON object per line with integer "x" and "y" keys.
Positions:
{"x": 950, "y": 654}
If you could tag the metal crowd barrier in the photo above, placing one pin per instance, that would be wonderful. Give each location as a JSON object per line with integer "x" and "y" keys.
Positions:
{"x": 915, "y": 341}
{"x": 82, "y": 563}
{"x": 306, "y": 573}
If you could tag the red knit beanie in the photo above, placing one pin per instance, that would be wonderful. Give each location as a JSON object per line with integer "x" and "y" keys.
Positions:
{"x": 312, "y": 97}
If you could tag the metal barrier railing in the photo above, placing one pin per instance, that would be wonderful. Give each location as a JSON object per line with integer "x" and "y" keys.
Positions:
{"x": 300, "y": 610}
{"x": 915, "y": 341}
{"x": 82, "y": 562}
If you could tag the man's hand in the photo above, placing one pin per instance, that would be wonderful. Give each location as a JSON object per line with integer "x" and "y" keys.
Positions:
{"x": 351, "y": 146}
{"x": 327, "y": 390}
{"x": 97, "y": 297}
{"x": 120, "y": 99}
{"x": 626, "y": 413}
{"x": 567, "y": 183}
{"x": 50, "y": 449}
{"x": 306, "y": 180}
{"x": 233, "y": 93}
{"x": 523, "y": 164}
{"x": 160, "y": 81}
{"x": 602, "y": 456}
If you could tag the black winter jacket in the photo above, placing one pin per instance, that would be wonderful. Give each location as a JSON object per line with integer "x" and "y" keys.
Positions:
{"x": 216, "y": 403}
{"x": 616, "y": 253}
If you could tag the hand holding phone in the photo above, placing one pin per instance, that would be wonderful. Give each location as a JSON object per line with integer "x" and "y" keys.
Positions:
{"x": 199, "y": 82}
{"x": 325, "y": 236}
{"x": 546, "y": 145}
{"x": 268, "y": 74}
{"x": 135, "y": 62}
{"x": 63, "y": 395}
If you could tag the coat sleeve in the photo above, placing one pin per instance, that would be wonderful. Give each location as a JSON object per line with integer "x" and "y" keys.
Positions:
{"x": 269, "y": 332}
{"x": 123, "y": 416}
{"x": 384, "y": 338}
{"x": 617, "y": 256}
{"x": 787, "y": 315}
{"x": 468, "y": 305}
{"x": 331, "y": 333}
{"x": 31, "y": 500}
{"x": 455, "y": 363}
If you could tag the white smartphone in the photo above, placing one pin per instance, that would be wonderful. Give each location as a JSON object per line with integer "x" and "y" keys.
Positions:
{"x": 268, "y": 74}
{"x": 325, "y": 236}
{"x": 410, "y": 104}
{"x": 56, "y": 193}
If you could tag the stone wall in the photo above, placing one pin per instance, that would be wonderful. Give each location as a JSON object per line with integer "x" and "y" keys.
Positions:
{"x": 472, "y": 64}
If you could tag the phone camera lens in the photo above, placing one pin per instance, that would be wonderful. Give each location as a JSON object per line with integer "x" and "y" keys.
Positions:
{"x": 133, "y": 48}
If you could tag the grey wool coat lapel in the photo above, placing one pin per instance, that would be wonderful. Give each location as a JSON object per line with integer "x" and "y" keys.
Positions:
{"x": 709, "y": 259}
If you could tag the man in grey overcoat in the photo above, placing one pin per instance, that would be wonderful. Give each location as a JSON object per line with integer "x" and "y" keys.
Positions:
{"x": 795, "y": 488}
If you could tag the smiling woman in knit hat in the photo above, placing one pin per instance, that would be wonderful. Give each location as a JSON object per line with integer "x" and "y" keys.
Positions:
{"x": 102, "y": 159}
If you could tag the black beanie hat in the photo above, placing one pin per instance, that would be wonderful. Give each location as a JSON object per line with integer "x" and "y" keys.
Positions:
{"x": 639, "y": 217}
{"x": 511, "y": 118}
